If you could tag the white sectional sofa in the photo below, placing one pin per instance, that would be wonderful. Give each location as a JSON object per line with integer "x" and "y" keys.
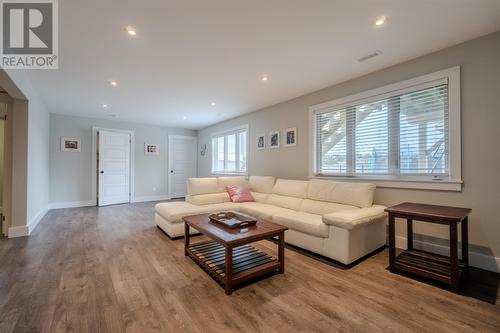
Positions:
{"x": 335, "y": 219}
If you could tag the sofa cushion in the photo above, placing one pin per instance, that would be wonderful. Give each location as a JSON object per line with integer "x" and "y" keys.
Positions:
{"x": 262, "y": 184}
{"x": 323, "y": 207}
{"x": 350, "y": 219}
{"x": 260, "y": 197}
{"x": 284, "y": 201}
{"x": 203, "y": 186}
{"x": 355, "y": 194}
{"x": 231, "y": 180}
{"x": 310, "y": 224}
{"x": 205, "y": 199}
{"x": 175, "y": 211}
{"x": 291, "y": 188}
{"x": 260, "y": 210}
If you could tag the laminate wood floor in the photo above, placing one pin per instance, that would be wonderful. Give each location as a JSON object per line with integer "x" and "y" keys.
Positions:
{"x": 111, "y": 270}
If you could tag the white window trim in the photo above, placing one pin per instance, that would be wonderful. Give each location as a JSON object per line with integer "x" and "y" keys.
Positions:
{"x": 225, "y": 132}
{"x": 453, "y": 182}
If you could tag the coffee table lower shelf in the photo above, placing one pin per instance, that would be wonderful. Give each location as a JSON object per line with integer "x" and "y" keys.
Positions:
{"x": 248, "y": 262}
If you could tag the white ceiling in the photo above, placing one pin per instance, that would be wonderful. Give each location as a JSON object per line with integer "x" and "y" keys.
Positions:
{"x": 188, "y": 53}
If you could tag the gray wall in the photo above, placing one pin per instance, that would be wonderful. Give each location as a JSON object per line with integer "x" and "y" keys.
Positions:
{"x": 480, "y": 63}
{"x": 70, "y": 173}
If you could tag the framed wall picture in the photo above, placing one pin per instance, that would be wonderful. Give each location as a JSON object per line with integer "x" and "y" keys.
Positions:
{"x": 274, "y": 139}
{"x": 151, "y": 149}
{"x": 261, "y": 141}
{"x": 291, "y": 137}
{"x": 71, "y": 145}
{"x": 203, "y": 150}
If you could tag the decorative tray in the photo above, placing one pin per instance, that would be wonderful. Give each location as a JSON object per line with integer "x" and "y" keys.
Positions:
{"x": 232, "y": 219}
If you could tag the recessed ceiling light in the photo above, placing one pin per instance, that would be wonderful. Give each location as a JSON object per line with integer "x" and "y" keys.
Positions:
{"x": 184, "y": 118}
{"x": 265, "y": 78}
{"x": 213, "y": 104}
{"x": 105, "y": 106}
{"x": 113, "y": 83}
{"x": 380, "y": 21}
{"x": 131, "y": 31}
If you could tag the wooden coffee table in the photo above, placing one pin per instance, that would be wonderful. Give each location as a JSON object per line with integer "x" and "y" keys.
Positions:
{"x": 227, "y": 256}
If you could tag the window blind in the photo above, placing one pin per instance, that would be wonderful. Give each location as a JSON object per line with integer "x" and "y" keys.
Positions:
{"x": 398, "y": 133}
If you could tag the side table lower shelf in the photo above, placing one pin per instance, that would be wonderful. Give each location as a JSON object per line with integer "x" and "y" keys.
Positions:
{"x": 427, "y": 264}
{"x": 248, "y": 262}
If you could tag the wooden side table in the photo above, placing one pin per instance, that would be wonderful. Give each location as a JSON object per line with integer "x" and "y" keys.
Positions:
{"x": 445, "y": 269}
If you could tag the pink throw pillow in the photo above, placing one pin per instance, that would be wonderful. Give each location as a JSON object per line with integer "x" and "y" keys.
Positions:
{"x": 239, "y": 193}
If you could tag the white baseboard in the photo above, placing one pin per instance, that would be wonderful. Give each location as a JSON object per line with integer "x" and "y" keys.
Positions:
{"x": 151, "y": 198}
{"x": 90, "y": 203}
{"x": 71, "y": 204}
{"x": 476, "y": 259}
{"x": 22, "y": 231}
{"x": 34, "y": 222}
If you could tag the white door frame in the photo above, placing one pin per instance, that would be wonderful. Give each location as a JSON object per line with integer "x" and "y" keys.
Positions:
{"x": 6, "y": 208}
{"x": 170, "y": 157}
{"x": 94, "y": 161}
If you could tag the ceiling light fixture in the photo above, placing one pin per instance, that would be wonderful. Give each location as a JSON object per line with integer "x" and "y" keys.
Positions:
{"x": 113, "y": 83}
{"x": 184, "y": 118}
{"x": 380, "y": 21}
{"x": 131, "y": 31}
{"x": 265, "y": 78}
{"x": 213, "y": 104}
{"x": 105, "y": 106}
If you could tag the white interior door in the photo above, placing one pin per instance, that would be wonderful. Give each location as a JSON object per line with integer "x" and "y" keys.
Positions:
{"x": 182, "y": 163}
{"x": 114, "y": 168}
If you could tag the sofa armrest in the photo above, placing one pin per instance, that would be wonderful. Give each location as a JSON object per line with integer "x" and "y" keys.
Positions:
{"x": 349, "y": 219}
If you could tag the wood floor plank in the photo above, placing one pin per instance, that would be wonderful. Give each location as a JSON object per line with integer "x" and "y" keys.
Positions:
{"x": 111, "y": 270}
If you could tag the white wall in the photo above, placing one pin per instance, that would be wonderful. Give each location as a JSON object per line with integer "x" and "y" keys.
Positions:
{"x": 71, "y": 175}
{"x": 480, "y": 70}
{"x": 38, "y": 161}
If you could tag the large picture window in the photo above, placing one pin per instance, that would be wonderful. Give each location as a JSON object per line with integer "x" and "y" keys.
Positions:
{"x": 409, "y": 131}
{"x": 229, "y": 151}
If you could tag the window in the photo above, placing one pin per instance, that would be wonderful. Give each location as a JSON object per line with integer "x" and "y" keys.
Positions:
{"x": 229, "y": 151}
{"x": 408, "y": 131}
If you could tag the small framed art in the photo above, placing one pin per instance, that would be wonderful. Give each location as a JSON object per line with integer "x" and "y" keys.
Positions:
{"x": 261, "y": 141}
{"x": 71, "y": 145}
{"x": 151, "y": 149}
{"x": 274, "y": 139}
{"x": 291, "y": 137}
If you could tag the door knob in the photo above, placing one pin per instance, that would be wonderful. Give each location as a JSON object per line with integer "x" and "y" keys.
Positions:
{"x": 171, "y": 171}
{"x": 101, "y": 172}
